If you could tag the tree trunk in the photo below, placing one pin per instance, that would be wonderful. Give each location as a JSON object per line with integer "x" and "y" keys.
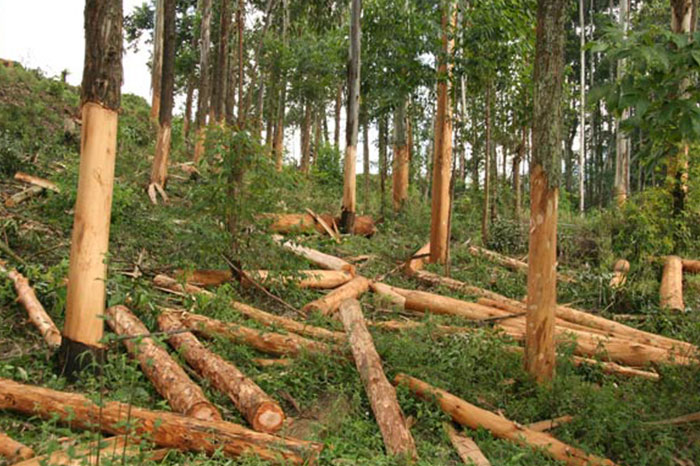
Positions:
{"x": 671, "y": 292}
{"x": 517, "y": 183}
{"x": 204, "y": 80}
{"x": 267, "y": 342}
{"x": 365, "y": 164}
{"x": 338, "y": 105}
{"x": 231, "y": 81}
{"x": 582, "y": 110}
{"x": 474, "y": 417}
{"x": 467, "y": 449}
{"x": 87, "y": 274}
{"x": 325, "y": 261}
{"x": 622, "y": 142}
{"x": 171, "y": 381}
{"x": 188, "y": 109}
{"x": 13, "y": 450}
{"x": 278, "y": 139}
{"x": 349, "y": 207}
{"x": 240, "y": 24}
{"x": 400, "y": 171}
{"x": 383, "y": 130}
{"x": 544, "y": 181}
{"x": 306, "y": 139}
{"x": 157, "y": 60}
{"x": 165, "y": 429}
{"x": 487, "y": 168}
{"x": 218, "y": 94}
{"x": 159, "y": 171}
{"x": 330, "y": 302}
{"x": 442, "y": 163}
{"x": 382, "y": 395}
{"x": 262, "y": 412}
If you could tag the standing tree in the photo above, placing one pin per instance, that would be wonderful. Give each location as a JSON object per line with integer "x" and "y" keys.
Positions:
{"x": 218, "y": 88}
{"x": 157, "y": 62}
{"x": 544, "y": 182}
{"x": 622, "y": 140}
{"x": 347, "y": 219}
{"x": 582, "y": 110}
{"x": 400, "y": 170}
{"x": 159, "y": 170}
{"x": 442, "y": 161}
{"x": 100, "y": 97}
{"x": 204, "y": 79}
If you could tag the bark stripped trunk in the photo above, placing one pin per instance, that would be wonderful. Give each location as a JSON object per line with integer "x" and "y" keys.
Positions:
{"x": 159, "y": 171}
{"x": 13, "y": 450}
{"x": 157, "y": 63}
{"x": 165, "y": 429}
{"x": 442, "y": 162}
{"x": 349, "y": 207}
{"x": 87, "y": 274}
{"x": 671, "y": 292}
{"x": 262, "y": 412}
{"x": 542, "y": 260}
{"x": 204, "y": 80}
{"x": 171, "y": 381}
{"x": 382, "y": 395}
{"x": 400, "y": 171}
{"x": 330, "y": 302}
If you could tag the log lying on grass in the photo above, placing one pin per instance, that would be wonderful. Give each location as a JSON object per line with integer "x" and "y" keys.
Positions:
{"x": 671, "y": 292}
{"x": 305, "y": 223}
{"x": 315, "y": 279}
{"x": 171, "y": 381}
{"x": 165, "y": 429}
{"x": 691, "y": 266}
{"x": 391, "y": 297}
{"x": 170, "y": 284}
{"x": 22, "y": 196}
{"x": 204, "y": 277}
{"x": 330, "y": 302}
{"x": 549, "y": 424}
{"x": 36, "y": 181}
{"x": 262, "y": 412}
{"x": 36, "y": 312}
{"x": 325, "y": 261}
{"x": 267, "y": 342}
{"x": 474, "y": 417}
{"x": 289, "y": 325}
{"x": 509, "y": 262}
{"x": 263, "y": 362}
{"x": 13, "y": 450}
{"x": 382, "y": 395}
{"x": 620, "y": 271}
{"x": 467, "y": 449}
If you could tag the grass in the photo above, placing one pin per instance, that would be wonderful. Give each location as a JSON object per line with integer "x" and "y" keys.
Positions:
{"x": 324, "y": 395}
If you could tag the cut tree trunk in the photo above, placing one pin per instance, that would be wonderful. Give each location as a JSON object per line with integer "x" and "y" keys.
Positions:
{"x": 467, "y": 449}
{"x": 267, "y": 342}
{"x": 314, "y": 279}
{"x": 165, "y": 429}
{"x": 382, "y": 395}
{"x": 171, "y": 381}
{"x": 262, "y": 412}
{"x": 282, "y": 362}
{"x": 391, "y": 297}
{"x": 87, "y": 273}
{"x": 36, "y": 312}
{"x": 13, "y": 450}
{"x": 620, "y": 271}
{"x": 691, "y": 266}
{"x": 322, "y": 260}
{"x": 46, "y": 184}
{"x": 549, "y": 424}
{"x": 169, "y": 284}
{"x": 474, "y": 417}
{"x": 330, "y": 303}
{"x": 23, "y": 195}
{"x": 442, "y": 162}
{"x": 671, "y": 292}
{"x": 422, "y": 301}
{"x": 509, "y": 262}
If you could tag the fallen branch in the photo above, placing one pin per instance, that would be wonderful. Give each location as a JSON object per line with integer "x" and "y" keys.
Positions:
{"x": 262, "y": 412}
{"x": 382, "y": 395}
{"x": 170, "y": 380}
{"x": 13, "y": 450}
{"x": 330, "y": 302}
{"x": 467, "y": 449}
{"x": 36, "y": 312}
{"x": 474, "y": 417}
{"x": 324, "y": 225}
{"x": 36, "y": 181}
{"x": 165, "y": 429}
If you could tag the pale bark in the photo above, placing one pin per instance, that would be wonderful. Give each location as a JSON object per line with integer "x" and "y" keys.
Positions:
{"x": 401, "y": 167}
{"x": 204, "y": 79}
{"x": 671, "y": 292}
{"x": 620, "y": 271}
{"x": 330, "y": 302}
{"x": 467, "y": 449}
{"x": 622, "y": 141}
{"x": 157, "y": 62}
{"x": 322, "y": 260}
{"x": 582, "y": 110}
{"x": 13, "y": 450}
{"x": 36, "y": 181}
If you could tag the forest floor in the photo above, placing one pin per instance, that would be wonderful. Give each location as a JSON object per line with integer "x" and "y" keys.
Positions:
{"x": 324, "y": 395}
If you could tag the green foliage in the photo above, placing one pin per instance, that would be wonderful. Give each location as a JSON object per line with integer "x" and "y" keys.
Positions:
{"x": 327, "y": 168}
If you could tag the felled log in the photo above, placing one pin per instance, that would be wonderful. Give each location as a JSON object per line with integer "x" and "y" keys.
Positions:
{"x": 305, "y": 223}
{"x": 267, "y": 342}
{"x": 549, "y": 424}
{"x": 262, "y": 412}
{"x": 671, "y": 292}
{"x": 467, "y": 449}
{"x": 13, "y": 450}
{"x": 620, "y": 271}
{"x": 330, "y": 302}
{"x": 36, "y": 312}
{"x": 325, "y": 261}
{"x": 391, "y": 297}
{"x": 509, "y": 262}
{"x": 165, "y": 429}
{"x": 204, "y": 277}
{"x": 314, "y": 279}
{"x": 474, "y": 417}
{"x": 422, "y": 301}
{"x": 263, "y": 362}
{"x": 170, "y": 284}
{"x": 566, "y": 313}
{"x": 685, "y": 419}
{"x": 22, "y": 196}
{"x": 289, "y": 325}
{"x": 36, "y": 181}
{"x": 382, "y": 395}
{"x": 170, "y": 380}
{"x": 324, "y": 225}
{"x": 691, "y": 266}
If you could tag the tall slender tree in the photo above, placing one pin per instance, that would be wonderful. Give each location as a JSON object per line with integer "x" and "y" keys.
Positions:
{"x": 622, "y": 140}
{"x": 159, "y": 170}
{"x": 157, "y": 61}
{"x": 278, "y": 138}
{"x": 582, "y": 110}
{"x": 347, "y": 219}
{"x": 204, "y": 79}
{"x": 218, "y": 89}
{"x": 365, "y": 164}
{"x": 544, "y": 182}
{"x": 401, "y": 167}
{"x": 101, "y": 99}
